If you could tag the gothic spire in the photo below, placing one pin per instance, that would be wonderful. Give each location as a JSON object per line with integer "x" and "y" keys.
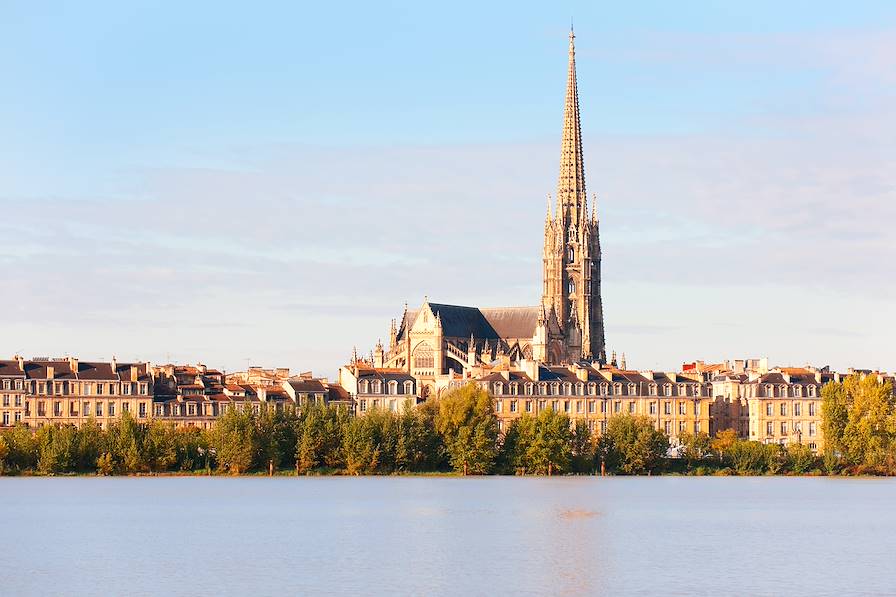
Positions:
{"x": 571, "y": 196}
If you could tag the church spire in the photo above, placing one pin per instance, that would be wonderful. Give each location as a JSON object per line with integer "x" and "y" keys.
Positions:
{"x": 571, "y": 196}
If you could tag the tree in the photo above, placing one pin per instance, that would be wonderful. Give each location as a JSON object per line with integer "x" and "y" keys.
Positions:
{"x": 359, "y": 446}
{"x": 89, "y": 445}
{"x": 867, "y": 435}
{"x": 695, "y": 447}
{"x": 582, "y": 448}
{"x": 56, "y": 449}
{"x": 723, "y": 442}
{"x": 747, "y": 457}
{"x": 22, "y": 445}
{"x": 515, "y": 445}
{"x": 275, "y": 431}
{"x": 632, "y": 445}
{"x": 469, "y": 429}
{"x": 4, "y": 453}
{"x": 834, "y": 416}
{"x": 801, "y": 458}
{"x": 234, "y": 441}
{"x": 550, "y": 448}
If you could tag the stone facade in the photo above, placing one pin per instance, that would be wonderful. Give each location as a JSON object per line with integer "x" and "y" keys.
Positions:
{"x": 40, "y": 392}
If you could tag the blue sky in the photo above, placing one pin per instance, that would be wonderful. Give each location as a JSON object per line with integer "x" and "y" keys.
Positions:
{"x": 222, "y": 181}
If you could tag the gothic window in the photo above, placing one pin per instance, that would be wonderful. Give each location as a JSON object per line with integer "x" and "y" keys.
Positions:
{"x": 572, "y": 255}
{"x": 423, "y": 357}
{"x": 572, "y": 286}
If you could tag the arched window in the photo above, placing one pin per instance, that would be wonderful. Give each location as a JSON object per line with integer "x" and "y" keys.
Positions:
{"x": 408, "y": 387}
{"x": 393, "y": 387}
{"x": 423, "y": 357}
{"x": 377, "y": 387}
{"x": 365, "y": 387}
{"x": 572, "y": 286}
{"x": 572, "y": 255}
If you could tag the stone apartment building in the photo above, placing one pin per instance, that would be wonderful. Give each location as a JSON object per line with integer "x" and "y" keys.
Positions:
{"x": 44, "y": 391}
{"x": 595, "y": 393}
{"x": 371, "y": 387}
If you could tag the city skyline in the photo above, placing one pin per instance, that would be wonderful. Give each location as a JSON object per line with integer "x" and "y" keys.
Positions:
{"x": 741, "y": 184}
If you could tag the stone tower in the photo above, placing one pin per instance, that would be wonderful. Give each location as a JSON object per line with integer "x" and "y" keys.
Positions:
{"x": 572, "y": 243}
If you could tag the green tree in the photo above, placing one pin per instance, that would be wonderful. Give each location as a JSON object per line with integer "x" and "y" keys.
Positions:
{"x": 801, "y": 458}
{"x": 23, "y": 450}
{"x": 747, "y": 457}
{"x": 359, "y": 446}
{"x": 234, "y": 441}
{"x": 632, "y": 445}
{"x": 56, "y": 449}
{"x": 834, "y": 416}
{"x": 160, "y": 446}
{"x": 723, "y": 441}
{"x": 124, "y": 440}
{"x": 89, "y": 445}
{"x": 551, "y": 446}
{"x": 469, "y": 429}
{"x": 275, "y": 430}
{"x": 513, "y": 455}
{"x": 695, "y": 447}
{"x": 582, "y": 448}
{"x": 4, "y": 454}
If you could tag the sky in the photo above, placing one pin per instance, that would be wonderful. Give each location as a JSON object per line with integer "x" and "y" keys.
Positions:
{"x": 270, "y": 182}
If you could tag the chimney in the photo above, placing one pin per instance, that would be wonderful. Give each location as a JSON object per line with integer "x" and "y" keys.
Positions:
{"x": 50, "y": 372}
{"x": 21, "y": 361}
{"x": 114, "y": 366}
{"x": 133, "y": 372}
{"x": 73, "y": 363}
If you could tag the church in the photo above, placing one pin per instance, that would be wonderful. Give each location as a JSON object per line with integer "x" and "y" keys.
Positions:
{"x": 439, "y": 341}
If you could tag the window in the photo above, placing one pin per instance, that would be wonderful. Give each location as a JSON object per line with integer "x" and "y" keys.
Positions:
{"x": 408, "y": 387}
{"x": 393, "y": 405}
{"x": 571, "y": 254}
{"x": 126, "y": 389}
{"x": 555, "y": 406}
{"x": 811, "y": 409}
{"x": 125, "y": 407}
{"x": 681, "y": 426}
{"x": 99, "y": 409}
{"x": 769, "y": 429}
{"x": 811, "y": 428}
{"x": 497, "y": 406}
{"x": 603, "y": 426}
{"x": 783, "y": 428}
{"x": 393, "y": 387}
{"x": 5, "y": 418}
{"x": 682, "y": 408}
{"x": 617, "y": 406}
{"x": 364, "y": 387}
{"x": 580, "y": 408}
{"x": 667, "y": 408}
{"x": 528, "y": 406}
{"x": 697, "y": 408}
{"x": 572, "y": 287}
{"x": 5, "y": 399}
{"x": 18, "y": 401}
{"x": 86, "y": 410}
{"x": 769, "y": 409}
{"x": 783, "y": 409}
{"x": 813, "y": 446}
{"x": 362, "y": 405}
{"x": 191, "y": 409}
{"x": 100, "y": 387}
{"x": 653, "y": 408}
{"x": 566, "y": 406}
{"x": 603, "y": 406}
{"x": 696, "y": 426}
{"x": 631, "y": 408}
{"x": 18, "y": 417}
{"x": 423, "y": 357}
{"x": 591, "y": 406}
{"x": 87, "y": 389}
{"x": 513, "y": 406}
{"x": 111, "y": 408}
{"x": 796, "y": 409}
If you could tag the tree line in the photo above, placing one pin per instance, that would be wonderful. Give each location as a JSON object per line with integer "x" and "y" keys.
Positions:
{"x": 456, "y": 433}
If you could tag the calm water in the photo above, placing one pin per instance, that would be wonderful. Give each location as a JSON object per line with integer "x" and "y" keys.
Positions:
{"x": 349, "y": 536}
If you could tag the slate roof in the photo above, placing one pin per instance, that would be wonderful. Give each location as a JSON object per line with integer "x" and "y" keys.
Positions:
{"x": 490, "y": 323}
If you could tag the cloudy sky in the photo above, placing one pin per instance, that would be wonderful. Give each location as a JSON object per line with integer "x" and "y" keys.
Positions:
{"x": 271, "y": 182}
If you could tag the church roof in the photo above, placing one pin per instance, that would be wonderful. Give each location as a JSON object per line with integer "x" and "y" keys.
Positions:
{"x": 489, "y": 323}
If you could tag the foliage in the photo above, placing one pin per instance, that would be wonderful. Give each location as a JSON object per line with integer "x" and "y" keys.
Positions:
{"x": 695, "y": 447}
{"x": 632, "y": 445}
{"x": 469, "y": 429}
{"x": 801, "y": 458}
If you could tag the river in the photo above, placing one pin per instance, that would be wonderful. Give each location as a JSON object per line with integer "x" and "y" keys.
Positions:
{"x": 447, "y": 536}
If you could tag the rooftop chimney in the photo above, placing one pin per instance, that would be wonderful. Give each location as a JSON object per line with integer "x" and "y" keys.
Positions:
{"x": 50, "y": 372}
{"x": 73, "y": 363}
{"x": 133, "y": 372}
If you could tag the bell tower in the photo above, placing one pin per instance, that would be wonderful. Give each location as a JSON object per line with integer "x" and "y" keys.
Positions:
{"x": 572, "y": 242}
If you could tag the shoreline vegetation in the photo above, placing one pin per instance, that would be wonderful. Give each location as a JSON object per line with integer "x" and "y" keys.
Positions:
{"x": 457, "y": 434}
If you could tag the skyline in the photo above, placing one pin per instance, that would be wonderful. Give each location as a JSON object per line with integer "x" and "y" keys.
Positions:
{"x": 714, "y": 151}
